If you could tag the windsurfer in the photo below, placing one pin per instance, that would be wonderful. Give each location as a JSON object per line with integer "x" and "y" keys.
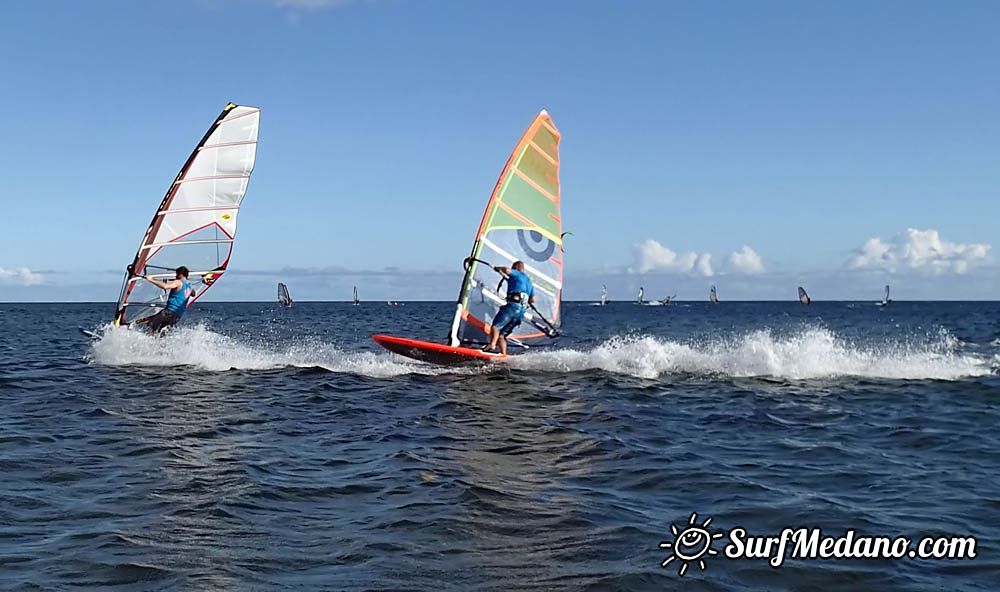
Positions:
{"x": 181, "y": 295}
{"x": 520, "y": 295}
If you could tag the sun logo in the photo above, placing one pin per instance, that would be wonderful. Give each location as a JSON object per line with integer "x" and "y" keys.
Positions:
{"x": 690, "y": 545}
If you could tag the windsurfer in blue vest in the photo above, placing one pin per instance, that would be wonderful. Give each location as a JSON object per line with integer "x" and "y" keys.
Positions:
{"x": 181, "y": 295}
{"x": 520, "y": 295}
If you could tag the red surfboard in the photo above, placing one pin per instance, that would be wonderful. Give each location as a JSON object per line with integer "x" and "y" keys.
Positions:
{"x": 435, "y": 353}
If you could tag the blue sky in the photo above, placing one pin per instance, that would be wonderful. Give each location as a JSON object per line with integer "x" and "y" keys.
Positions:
{"x": 753, "y": 145}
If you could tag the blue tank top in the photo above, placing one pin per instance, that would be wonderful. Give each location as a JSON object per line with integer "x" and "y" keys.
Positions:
{"x": 177, "y": 302}
{"x": 519, "y": 282}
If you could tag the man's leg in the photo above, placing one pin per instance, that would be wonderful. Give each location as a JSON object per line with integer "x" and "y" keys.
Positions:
{"x": 507, "y": 329}
{"x": 499, "y": 321}
{"x": 153, "y": 323}
{"x": 160, "y": 321}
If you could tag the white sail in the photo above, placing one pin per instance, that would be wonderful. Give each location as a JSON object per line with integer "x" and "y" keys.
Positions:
{"x": 195, "y": 225}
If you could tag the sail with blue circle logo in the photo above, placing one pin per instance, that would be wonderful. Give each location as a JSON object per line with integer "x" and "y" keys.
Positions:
{"x": 522, "y": 222}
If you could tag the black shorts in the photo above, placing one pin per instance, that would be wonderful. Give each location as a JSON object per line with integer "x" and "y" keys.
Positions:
{"x": 161, "y": 321}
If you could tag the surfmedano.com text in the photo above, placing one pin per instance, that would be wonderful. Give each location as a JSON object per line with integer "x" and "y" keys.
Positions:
{"x": 811, "y": 543}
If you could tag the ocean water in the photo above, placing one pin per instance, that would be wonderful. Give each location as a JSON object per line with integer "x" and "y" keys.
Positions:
{"x": 260, "y": 448}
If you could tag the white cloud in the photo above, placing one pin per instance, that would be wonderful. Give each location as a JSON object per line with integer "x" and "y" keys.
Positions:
{"x": 746, "y": 260}
{"x": 652, "y": 256}
{"x": 704, "y": 265}
{"x": 923, "y": 250}
{"x": 21, "y": 276}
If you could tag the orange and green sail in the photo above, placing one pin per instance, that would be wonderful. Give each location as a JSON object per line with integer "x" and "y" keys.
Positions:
{"x": 522, "y": 222}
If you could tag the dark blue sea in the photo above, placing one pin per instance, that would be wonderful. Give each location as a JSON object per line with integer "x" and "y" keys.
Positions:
{"x": 260, "y": 448}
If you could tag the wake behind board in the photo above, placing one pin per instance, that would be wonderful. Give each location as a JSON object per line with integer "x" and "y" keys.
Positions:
{"x": 435, "y": 353}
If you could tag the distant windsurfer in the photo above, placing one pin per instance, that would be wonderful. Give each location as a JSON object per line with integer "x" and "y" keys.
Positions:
{"x": 181, "y": 295}
{"x": 520, "y": 295}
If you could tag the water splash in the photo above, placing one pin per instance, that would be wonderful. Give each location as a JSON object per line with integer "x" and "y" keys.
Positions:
{"x": 200, "y": 347}
{"x": 810, "y": 353}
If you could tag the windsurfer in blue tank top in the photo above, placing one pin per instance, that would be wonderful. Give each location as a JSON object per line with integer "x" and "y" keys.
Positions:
{"x": 181, "y": 295}
{"x": 520, "y": 295}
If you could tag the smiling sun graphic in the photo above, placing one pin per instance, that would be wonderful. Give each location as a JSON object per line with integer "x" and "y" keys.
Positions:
{"x": 690, "y": 545}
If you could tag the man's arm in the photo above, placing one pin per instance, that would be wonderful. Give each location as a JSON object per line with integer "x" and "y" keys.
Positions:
{"x": 163, "y": 285}
{"x": 501, "y": 269}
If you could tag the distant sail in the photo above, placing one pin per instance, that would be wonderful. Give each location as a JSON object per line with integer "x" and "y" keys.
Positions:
{"x": 356, "y": 299}
{"x": 284, "y": 298}
{"x": 522, "y": 222}
{"x": 713, "y": 295}
{"x": 886, "y": 299}
{"x": 803, "y": 296}
{"x": 604, "y": 295}
{"x": 195, "y": 225}
{"x": 642, "y": 297}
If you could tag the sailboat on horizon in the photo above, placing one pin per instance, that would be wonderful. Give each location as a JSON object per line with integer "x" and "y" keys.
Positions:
{"x": 885, "y": 299}
{"x": 284, "y": 298}
{"x": 804, "y": 296}
{"x": 604, "y": 296}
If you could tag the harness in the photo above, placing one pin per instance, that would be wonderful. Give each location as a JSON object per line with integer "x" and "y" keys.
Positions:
{"x": 517, "y": 297}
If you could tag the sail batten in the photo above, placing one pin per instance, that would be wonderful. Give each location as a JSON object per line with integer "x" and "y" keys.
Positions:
{"x": 195, "y": 223}
{"x": 522, "y": 222}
